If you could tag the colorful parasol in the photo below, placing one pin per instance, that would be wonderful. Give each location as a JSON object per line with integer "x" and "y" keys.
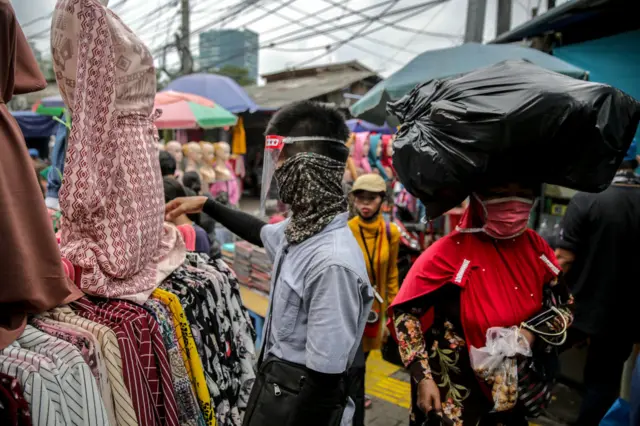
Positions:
{"x": 191, "y": 115}
{"x": 52, "y": 106}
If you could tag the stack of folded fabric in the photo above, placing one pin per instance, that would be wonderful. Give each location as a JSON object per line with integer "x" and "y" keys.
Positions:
{"x": 228, "y": 253}
{"x": 242, "y": 262}
{"x": 261, "y": 270}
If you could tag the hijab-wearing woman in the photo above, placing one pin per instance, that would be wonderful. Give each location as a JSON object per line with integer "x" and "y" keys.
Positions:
{"x": 380, "y": 242}
{"x": 361, "y": 153}
{"x": 491, "y": 272}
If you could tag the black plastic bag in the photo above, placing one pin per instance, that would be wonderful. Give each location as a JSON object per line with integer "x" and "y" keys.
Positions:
{"x": 511, "y": 122}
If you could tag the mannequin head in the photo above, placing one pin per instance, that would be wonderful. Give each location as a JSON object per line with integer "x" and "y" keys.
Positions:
{"x": 208, "y": 152}
{"x": 365, "y": 148}
{"x": 223, "y": 152}
{"x": 193, "y": 152}
{"x": 175, "y": 148}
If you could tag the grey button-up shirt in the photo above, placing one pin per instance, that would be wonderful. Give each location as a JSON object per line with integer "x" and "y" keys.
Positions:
{"x": 321, "y": 299}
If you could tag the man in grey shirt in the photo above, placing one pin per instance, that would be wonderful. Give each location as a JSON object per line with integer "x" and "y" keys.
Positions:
{"x": 321, "y": 294}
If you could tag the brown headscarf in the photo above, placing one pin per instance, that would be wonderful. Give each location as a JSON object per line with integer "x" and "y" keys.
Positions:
{"x": 32, "y": 278}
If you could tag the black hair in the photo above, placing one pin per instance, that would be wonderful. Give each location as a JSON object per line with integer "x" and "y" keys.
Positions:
{"x": 167, "y": 164}
{"x": 306, "y": 118}
{"x": 172, "y": 189}
{"x": 191, "y": 180}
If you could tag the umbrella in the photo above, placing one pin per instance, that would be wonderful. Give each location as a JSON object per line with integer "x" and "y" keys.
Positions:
{"x": 190, "y": 115}
{"x": 222, "y": 90}
{"x": 443, "y": 63}
{"x": 52, "y": 105}
{"x": 170, "y": 96}
{"x": 357, "y": 126}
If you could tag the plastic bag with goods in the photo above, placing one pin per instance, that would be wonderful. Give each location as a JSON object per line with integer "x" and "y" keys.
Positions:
{"x": 511, "y": 122}
{"x": 496, "y": 364}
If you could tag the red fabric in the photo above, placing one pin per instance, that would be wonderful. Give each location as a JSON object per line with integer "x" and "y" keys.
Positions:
{"x": 146, "y": 369}
{"x": 189, "y": 236}
{"x": 501, "y": 284}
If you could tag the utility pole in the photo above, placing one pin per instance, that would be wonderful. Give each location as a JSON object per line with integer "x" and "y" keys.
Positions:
{"x": 503, "y": 21}
{"x": 476, "y": 10}
{"x": 184, "y": 45}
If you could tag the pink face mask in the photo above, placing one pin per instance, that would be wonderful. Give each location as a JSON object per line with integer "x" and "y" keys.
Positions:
{"x": 507, "y": 217}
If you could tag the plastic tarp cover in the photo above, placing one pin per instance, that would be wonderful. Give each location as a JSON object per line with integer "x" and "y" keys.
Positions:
{"x": 511, "y": 122}
{"x": 34, "y": 125}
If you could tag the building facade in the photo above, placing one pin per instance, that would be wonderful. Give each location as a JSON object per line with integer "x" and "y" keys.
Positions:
{"x": 238, "y": 48}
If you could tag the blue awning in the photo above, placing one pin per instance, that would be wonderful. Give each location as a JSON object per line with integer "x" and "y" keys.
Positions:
{"x": 35, "y": 125}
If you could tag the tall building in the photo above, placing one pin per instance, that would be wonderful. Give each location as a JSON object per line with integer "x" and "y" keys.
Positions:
{"x": 230, "y": 47}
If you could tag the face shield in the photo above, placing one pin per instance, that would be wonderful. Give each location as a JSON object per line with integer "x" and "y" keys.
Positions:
{"x": 278, "y": 148}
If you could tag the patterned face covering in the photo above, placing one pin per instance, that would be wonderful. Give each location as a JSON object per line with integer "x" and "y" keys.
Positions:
{"x": 311, "y": 184}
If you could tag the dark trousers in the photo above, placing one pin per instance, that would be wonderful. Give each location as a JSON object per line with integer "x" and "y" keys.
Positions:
{"x": 357, "y": 374}
{"x": 606, "y": 356}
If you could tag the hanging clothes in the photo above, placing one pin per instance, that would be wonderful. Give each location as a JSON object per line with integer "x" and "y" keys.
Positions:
{"x": 122, "y": 401}
{"x": 212, "y": 303}
{"x": 36, "y": 394}
{"x": 189, "y": 352}
{"x": 112, "y": 195}
{"x": 188, "y": 409}
{"x": 239, "y": 138}
{"x": 79, "y": 388}
{"x": 16, "y": 408}
{"x": 89, "y": 348}
{"x": 145, "y": 364}
{"x": 29, "y": 256}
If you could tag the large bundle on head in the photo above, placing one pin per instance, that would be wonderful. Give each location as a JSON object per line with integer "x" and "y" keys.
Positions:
{"x": 512, "y": 122}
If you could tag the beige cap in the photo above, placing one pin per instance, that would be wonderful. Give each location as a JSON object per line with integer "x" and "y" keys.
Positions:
{"x": 370, "y": 182}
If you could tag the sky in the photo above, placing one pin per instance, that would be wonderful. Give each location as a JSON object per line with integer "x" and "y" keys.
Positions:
{"x": 385, "y": 50}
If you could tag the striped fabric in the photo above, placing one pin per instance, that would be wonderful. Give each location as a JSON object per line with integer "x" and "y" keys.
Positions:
{"x": 125, "y": 413}
{"x": 145, "y": 363}
{"x": 79, "y": 388}
{"x": 89, "y": 347}
{"x": 51, "y": 379}
{"x": 35, "y": 392}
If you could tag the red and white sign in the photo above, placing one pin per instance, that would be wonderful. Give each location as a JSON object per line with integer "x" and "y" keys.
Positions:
{"x": 274, "y": 142}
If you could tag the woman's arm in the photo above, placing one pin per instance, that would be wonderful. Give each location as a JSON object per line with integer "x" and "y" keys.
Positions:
{"x": 413, "y": 350}
{"x": 242, "y": 224}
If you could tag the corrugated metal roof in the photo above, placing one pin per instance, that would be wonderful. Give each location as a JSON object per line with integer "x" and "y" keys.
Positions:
{"x": 280, "y": 93}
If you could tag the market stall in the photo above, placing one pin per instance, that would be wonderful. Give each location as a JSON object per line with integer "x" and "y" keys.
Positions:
{"x": 114, "y": 322}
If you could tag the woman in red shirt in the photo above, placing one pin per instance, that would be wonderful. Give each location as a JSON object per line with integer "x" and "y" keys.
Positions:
{"x": 491, "y": 272}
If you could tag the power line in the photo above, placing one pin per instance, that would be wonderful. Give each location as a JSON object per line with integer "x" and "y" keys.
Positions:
{"x": 394, "y": 25}
{"x": 294, "y": 32}
{"x": 345, "y": 13}
{"x": 272, "y": 43}
{"x": 347, "y": 40}
{"x": 429, "y": 22}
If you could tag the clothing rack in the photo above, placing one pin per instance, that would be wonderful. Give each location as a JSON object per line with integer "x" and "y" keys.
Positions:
{"x": 184, "y": 357}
